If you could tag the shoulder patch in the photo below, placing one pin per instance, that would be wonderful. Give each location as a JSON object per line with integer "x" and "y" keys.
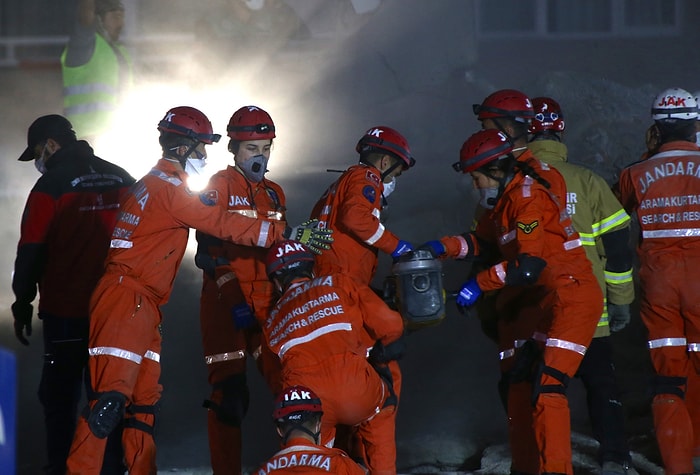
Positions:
{"x": 370, "y": 193}
{"x": 371, "y": 177}
{"x": 209, "y": 198}
{"x": 528, "y": 228}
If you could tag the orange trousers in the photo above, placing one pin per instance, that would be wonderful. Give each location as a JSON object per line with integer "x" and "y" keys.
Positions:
{"x": 670, "y": 312}
{"x": 225, "y": 349}
{"x": 563, "y": 322}
{"x": 122, "y": 318}
{"x": 353, "y": 394}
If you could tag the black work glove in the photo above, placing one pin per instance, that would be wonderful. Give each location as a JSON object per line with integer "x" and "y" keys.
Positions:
{"x": 524, "y": 270}
{"x": 381, "y": 354}
{"x": 23, "y": 320}
{"x": 618, "y": 316}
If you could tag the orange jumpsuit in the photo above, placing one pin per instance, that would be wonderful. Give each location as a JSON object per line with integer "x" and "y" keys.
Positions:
{"x": 240, "y": 278}
{"x": 299, "y": 455}
{"x": 318, "y": 330}
{"x": 529, "y": 218}
{"x": 663, "y": 192}
{"x": 147, "y": 246}
{"x": 351, "y": 207}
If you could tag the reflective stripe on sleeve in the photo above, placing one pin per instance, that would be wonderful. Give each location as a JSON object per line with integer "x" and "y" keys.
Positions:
{"x": 663, "y": 342}
{"x": 566, "y": 345}
{"x": 618, "y": 277}
{"x": 116, "y": 352}
{"x": 377, "y": 234}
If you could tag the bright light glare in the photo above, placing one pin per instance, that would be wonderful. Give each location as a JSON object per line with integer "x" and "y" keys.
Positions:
{"x": 133, "y": 141}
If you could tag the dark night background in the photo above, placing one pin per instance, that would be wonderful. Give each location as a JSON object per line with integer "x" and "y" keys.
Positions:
{"x": 414, "y": 65}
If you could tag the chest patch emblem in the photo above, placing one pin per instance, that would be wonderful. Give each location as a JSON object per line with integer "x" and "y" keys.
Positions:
{"x": 528, "y": 228}
{"x": 209, "y": 198}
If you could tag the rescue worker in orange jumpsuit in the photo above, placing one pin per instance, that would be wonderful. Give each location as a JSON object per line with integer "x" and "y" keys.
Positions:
{"x": 235, "y": 288}
{"x": 297, "y": 415}
{"x": 662, "y": 191}
{"x": 541, "y": 256}
{"x": 147, "y": 246}
{"x": 604, "y": 227}
{"x": 319, "y": 328}
{"x": 352, "y": 208}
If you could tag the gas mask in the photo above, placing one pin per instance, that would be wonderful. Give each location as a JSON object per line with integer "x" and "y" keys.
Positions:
{"x": 389, "y": 187}
{"x": 40, "y": 162}
{"x": 195, "y": 166}
{"x": 255, "y": 167}
{"x": 488, "y": 197}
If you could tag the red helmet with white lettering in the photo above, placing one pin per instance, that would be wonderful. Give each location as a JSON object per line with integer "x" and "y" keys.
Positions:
{"x": 674, "y": 104}
{"x": 548, "y": 116}
{"x": 294, "y": 401}
{"x": 288, "y": 256}
{"x": 250, "y": 123}
{"x": 386, "y": 140}
{"x": 481, "y": 149}
{"x": 508, "y": 103}
{"x": 188, "y": 122}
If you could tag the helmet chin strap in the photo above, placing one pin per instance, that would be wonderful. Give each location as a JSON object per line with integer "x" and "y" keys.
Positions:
{"x": 181, "y": 159}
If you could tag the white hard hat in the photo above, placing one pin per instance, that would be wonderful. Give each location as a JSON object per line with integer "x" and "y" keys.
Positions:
{"x": 674, "y": 104}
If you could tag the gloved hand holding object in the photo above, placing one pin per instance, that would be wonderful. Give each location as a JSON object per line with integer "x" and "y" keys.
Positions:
{"x": 23, "y": 320}
{"x": 401, "y": 248}
{"x": 436, "y": 247}
{"x": 469, "y": 293}
{"x": 309, "y": 234}
{"x": 618, "y": 316}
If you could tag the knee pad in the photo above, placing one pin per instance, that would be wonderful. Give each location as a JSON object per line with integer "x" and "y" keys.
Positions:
{"x": 106, "y": 414}
{"x": 669, "y": 385}
{"x": 235, "y": 400}
{"x": 539, "y": 388}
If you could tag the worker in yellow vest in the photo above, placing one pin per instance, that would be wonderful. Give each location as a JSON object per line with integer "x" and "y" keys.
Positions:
{"x": 96, "y": 68}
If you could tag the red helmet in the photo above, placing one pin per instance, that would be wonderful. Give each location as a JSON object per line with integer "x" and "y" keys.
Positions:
{"x": 481, "y": 148}
{"x": 296, "y": 399}
{"x": 251, "y": 123}
{"x": 287, "y": 255}
{"x": 548, "y": 116}
{"x": 389, "y": 140}
{"x": 505, "y": 103}
{"x": 188, "y": 122}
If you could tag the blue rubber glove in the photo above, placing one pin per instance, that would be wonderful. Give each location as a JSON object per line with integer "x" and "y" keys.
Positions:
{"x": 402, "y": 248}
{"x": 242, "y": 316}
{"x": 436, "y": 247}
{"x": 469, "y": 293}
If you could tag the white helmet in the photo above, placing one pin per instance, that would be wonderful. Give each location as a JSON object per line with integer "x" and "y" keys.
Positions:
{"x": 696, "y": 95}
{"x": 674, "y": 104}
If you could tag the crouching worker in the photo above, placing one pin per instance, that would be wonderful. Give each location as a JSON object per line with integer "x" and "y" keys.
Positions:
{"x": 297, "y": 416}
{"x": 318, "y": 329}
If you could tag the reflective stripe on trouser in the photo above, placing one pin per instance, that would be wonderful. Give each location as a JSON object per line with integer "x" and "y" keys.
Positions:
{"x": 352, "y": 393}
{"x": 570, "y": 319}
{"x": 124, "y": 319}
{"x": 672, "y": 317}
